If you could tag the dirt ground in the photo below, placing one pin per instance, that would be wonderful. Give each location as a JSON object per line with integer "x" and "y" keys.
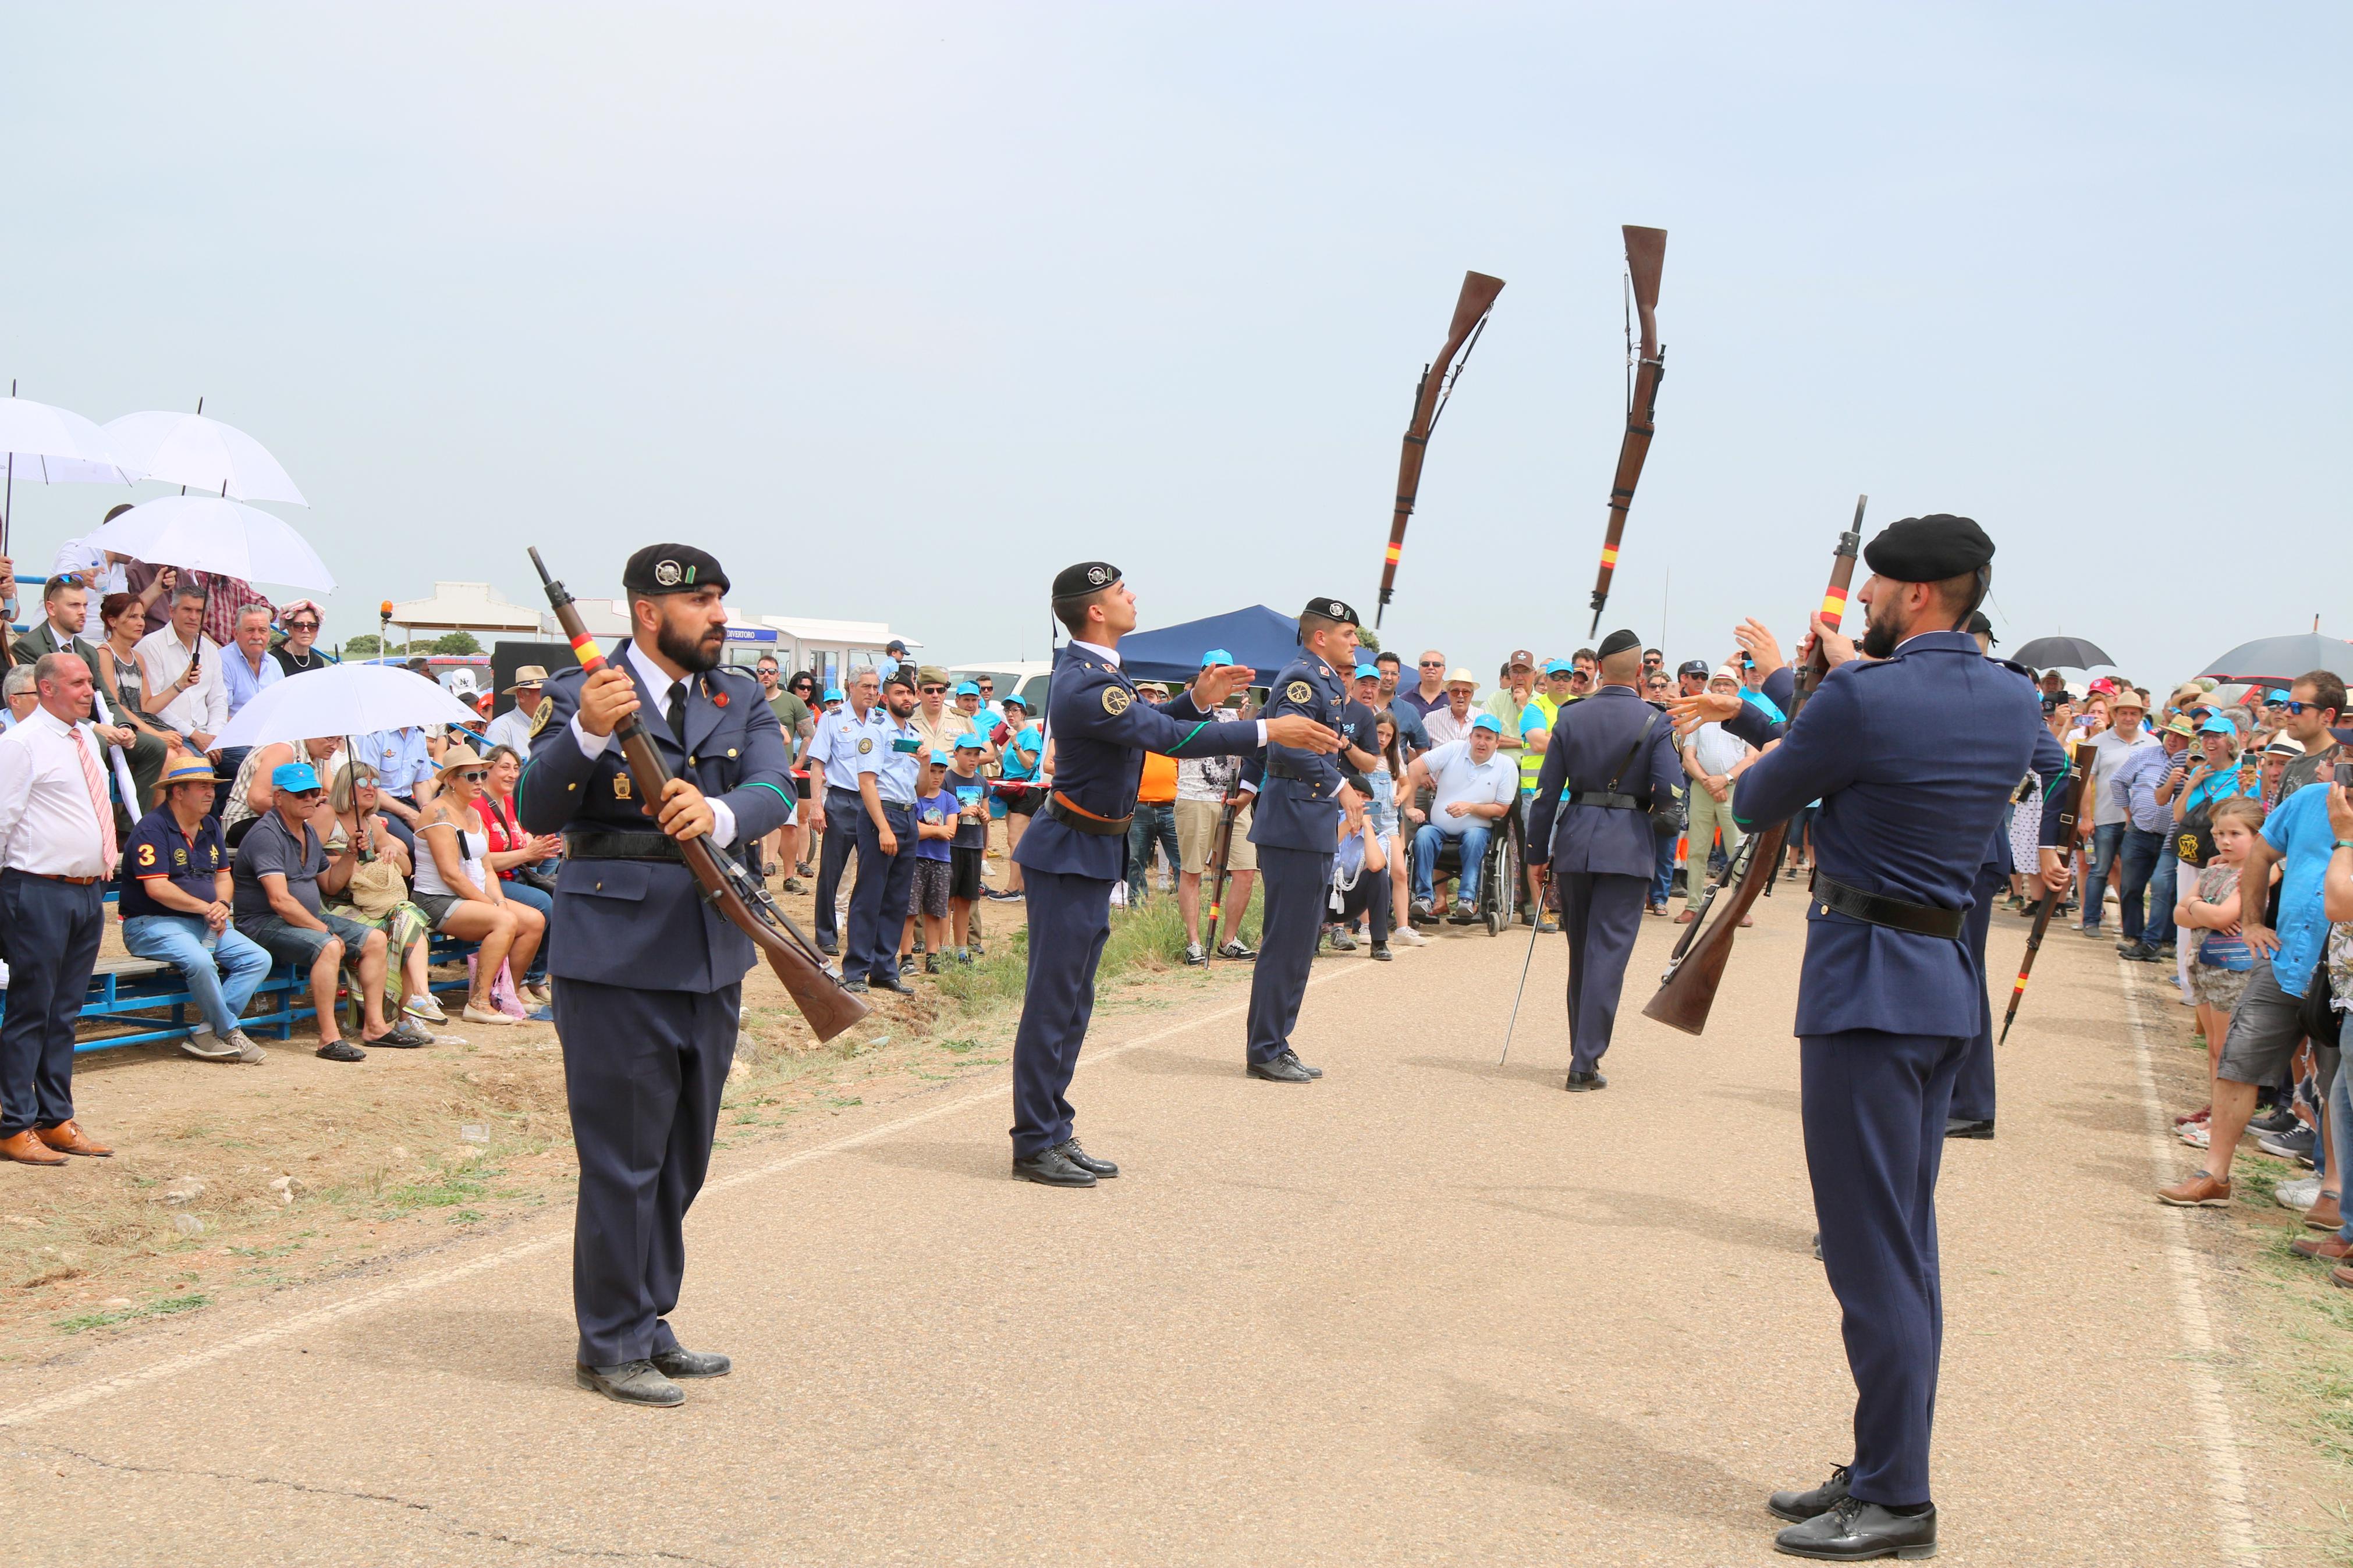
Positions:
{"x": 230, "y": 1180}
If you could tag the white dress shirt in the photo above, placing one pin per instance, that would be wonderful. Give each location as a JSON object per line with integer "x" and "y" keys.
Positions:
{"x": 48, "y": 825}
{"x": 202, "y": 708}
{"x": 722, "y": 816}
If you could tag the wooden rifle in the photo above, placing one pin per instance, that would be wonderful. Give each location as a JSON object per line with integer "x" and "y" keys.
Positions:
{"x": 738, "y": 895}
{"x": 1695, "y": 968}
{"x": 2079, "y": 774}
{"x": 1646, "y": 255}
{"x": 1223, "y": 852}
{"x": 1429, "y": 395}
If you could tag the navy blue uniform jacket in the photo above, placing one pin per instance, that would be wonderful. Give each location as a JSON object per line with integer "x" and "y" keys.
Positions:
{"x": 1590, "y": 740}
{"x": 1299, "y": 794}
{"x": 1100, "y": 730}
{"x": 643, "y": 923}
{"x": 1913, "y": 758}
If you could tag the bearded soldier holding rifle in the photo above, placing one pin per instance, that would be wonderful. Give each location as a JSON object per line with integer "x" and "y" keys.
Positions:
{"x": 1913, "y": 751}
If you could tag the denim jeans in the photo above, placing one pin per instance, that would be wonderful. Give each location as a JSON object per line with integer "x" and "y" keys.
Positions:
{"x": 2142, "y": 851}
{"x": 1663, "y": 880}
{"x": 2340, "y": 1126}
{"x": 2108, "y": 843}
{"x": 1427, "y": 837}
{"x": 1155, "y": 823}
{"x": 222, "y": 980}
{"x": 2164, "y": 892}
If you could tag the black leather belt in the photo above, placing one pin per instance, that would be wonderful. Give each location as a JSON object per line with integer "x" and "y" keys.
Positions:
{"x": 1070, "y": 814}
{"x": 1897, "y": 914}
{"x": 594, "y": 845}
{"x": 1602, "y": 797}
{"x": 1273, "y": 771}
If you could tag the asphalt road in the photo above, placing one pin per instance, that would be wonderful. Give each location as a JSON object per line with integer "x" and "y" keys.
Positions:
{"x": 1429, "y": 1310}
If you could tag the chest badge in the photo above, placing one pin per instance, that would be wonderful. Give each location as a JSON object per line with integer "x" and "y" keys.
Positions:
{"x": 545, "y": 712}
{"x": 1300, "y": 691}
{"x": 1115, "y": 699}
{"x": 621, "y": 786}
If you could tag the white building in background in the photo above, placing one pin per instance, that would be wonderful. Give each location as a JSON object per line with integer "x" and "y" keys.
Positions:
{"x": 829, "y": 647}
{"x": 475, "y": 608}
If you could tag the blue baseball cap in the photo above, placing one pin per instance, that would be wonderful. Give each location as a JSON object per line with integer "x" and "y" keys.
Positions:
{"x": 970, "y": 738}
{"x": 967, "y": 689}
{"x": 1369, "y": 672}
{"x": 1560, "y": 667}
{"x": 1216, "y": 656}
{"x": 2274, "y": 695}
{"x": 833, "y": 694}
{"x": 1488, "y": 722}
{"x": 2218, "y": 725}
{"x": 294, "y": 777}
{"x": 942, "y": 758}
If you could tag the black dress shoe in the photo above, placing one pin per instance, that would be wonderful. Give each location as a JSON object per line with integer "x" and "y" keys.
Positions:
{"x": 1799, "y": 1507}
{"x": 828, "y": 946}
{"x": 1053, "y": 1169}
{"x": 1381, "y": 952}
{"x": 1293, "y": 1057}
{"x": 1285, "y": 1069}
{"x": 631, "y": 1382}
{"x": 1099, "y": 1169}
{"x": 1584, "y": 1082}
{"x": 1854, "y": 1530}
{"x": 1818, "y": 1246}
{"x": 681, "y": 1362}
{"x": 1967, "y": 1127}
{"x": 854, "y": 986}
{"x": 891, "y": 982}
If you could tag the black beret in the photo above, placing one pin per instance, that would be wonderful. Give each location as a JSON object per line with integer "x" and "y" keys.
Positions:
{"x": 901, "y": 676}
{"x": 1331, "y": 610}
{"x": 1929, "y": 549}
{"x": 1086, "y": 577}
{"x": 1979, "y": 624}
{"x": 673, "y": 569}
{"x": 1618, "y": 642}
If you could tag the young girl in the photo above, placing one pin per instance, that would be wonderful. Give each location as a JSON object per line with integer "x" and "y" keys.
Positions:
{"x": 937, "y": 812}
{"x": 2225, "y": 959}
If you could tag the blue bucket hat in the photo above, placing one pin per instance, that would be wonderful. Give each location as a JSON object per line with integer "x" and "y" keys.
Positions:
{"x": 294, "y": 777}
{"x": 1489, "y": 723}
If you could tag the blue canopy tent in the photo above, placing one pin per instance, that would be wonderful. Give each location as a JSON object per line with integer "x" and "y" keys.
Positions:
{"x": 1257, "y": 637}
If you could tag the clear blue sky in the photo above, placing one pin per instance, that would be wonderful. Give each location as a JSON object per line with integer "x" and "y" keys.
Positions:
{"x": 899, "y": 310}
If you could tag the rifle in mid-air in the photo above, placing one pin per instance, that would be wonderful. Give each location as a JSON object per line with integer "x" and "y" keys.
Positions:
{"x": 738, "y": 895}
{"x": 1646, "y": 255}
{"x": 2079, "y": 774}
{"x": 1429, "y": 395}
{"x": 1695, "y": 968}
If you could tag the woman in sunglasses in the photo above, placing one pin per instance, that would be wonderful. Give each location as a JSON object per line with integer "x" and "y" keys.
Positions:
{"x": 460, "y": 893}
{"x": 296, "y": 655}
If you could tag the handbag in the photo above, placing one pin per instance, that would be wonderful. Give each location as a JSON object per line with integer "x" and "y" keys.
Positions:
{"x": 2317, "y": 1008}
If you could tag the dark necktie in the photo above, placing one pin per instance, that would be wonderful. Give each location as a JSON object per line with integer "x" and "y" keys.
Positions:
{"x": 678, "y": 712}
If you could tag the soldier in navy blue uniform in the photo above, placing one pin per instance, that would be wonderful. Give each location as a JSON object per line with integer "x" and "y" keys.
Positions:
{"x": 1609, "y": 763}
{"x": 1296, "y": 826}
{"x": 1076, "y": 846}
{"x": 650, "y": 977}
{"x": 1912, "y": 749}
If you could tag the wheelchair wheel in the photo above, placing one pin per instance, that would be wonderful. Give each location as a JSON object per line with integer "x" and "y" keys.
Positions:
{"x": 1502, "y": 886}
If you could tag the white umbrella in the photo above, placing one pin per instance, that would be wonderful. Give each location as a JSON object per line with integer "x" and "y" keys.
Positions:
{"x": 53, "y": 445}
{"x": 343, "y": 700}
{"x": 202, "y": 454}
{"x": 208, "y": 533}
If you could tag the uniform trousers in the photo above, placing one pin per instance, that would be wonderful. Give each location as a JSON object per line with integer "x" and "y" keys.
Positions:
{"x": 1875, "y": 1106}
{"x": 843, "y": 811}
{"x": 643, "y": 1071}
{"x": 51, "y": 931}
{"x": 1973, "y": 1088}
{"x": 878, "y": 904}
{"x": 1070, "y": 918}
{"x": 1297, "y": 883}
{"x": 1600, "y": 913}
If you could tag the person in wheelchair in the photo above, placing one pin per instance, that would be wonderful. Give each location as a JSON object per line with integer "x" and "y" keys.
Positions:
{"x": 1474, "y": 788}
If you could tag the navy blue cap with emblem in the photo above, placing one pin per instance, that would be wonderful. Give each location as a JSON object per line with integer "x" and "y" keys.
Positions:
{"x": 1086, "y": 577}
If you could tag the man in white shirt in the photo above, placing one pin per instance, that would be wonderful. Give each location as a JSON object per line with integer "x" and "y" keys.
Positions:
{"x": 57, "y": 847}
{"x": 1713, "y": 758}
{"x": 1452, "y": 722}
{"x": 2123, "y": 736}
{"x": 1473, "y": 789}
{"x": 184, "y": 661}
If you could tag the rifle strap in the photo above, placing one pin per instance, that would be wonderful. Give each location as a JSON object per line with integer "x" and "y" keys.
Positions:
{"x": 1608, "y": 794}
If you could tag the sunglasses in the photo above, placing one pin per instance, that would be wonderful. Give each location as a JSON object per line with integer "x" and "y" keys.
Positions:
{"x": 2300, "y": 708}
{"x": 474, "y": 775}
{"x": 301, "y": 626}
{"x": 306, "y": 794}
{"x": 931, "y": 691}
{"x": 1432, "y": 663}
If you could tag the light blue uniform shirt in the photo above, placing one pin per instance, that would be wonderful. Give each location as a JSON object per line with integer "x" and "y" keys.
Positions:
{"x": 400, "y": 757}
{"x": 896, "y": 760}
{"x": 834, "y": 744}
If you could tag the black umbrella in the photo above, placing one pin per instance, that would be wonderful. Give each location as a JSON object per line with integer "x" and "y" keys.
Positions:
{"x": 2277, "y": 661}
{"x": 2063, "y": 653}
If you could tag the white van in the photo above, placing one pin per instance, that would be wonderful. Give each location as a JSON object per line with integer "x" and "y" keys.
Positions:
{"x": 1029, "y": 680}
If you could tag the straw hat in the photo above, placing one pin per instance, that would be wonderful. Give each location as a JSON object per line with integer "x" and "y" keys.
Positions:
{"x": 460, "y": 756}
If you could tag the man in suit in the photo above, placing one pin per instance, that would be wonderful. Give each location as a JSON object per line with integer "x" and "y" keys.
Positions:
{"x": 1296, "y": 826}
{"x": 1608, "y": 764}
{"x": 1912, "y": 749}
{"x": 65, "y": 603}
{"x": 1076, "y": 846}
{"x": 649, "y": 977}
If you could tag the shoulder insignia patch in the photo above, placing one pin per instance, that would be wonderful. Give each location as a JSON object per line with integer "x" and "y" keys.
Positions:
{"x": 545, "y": 712}
{"x": 1115, "y": 699}
{"x": 865, "y": 744}
{"x": 1300, "y": 691}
